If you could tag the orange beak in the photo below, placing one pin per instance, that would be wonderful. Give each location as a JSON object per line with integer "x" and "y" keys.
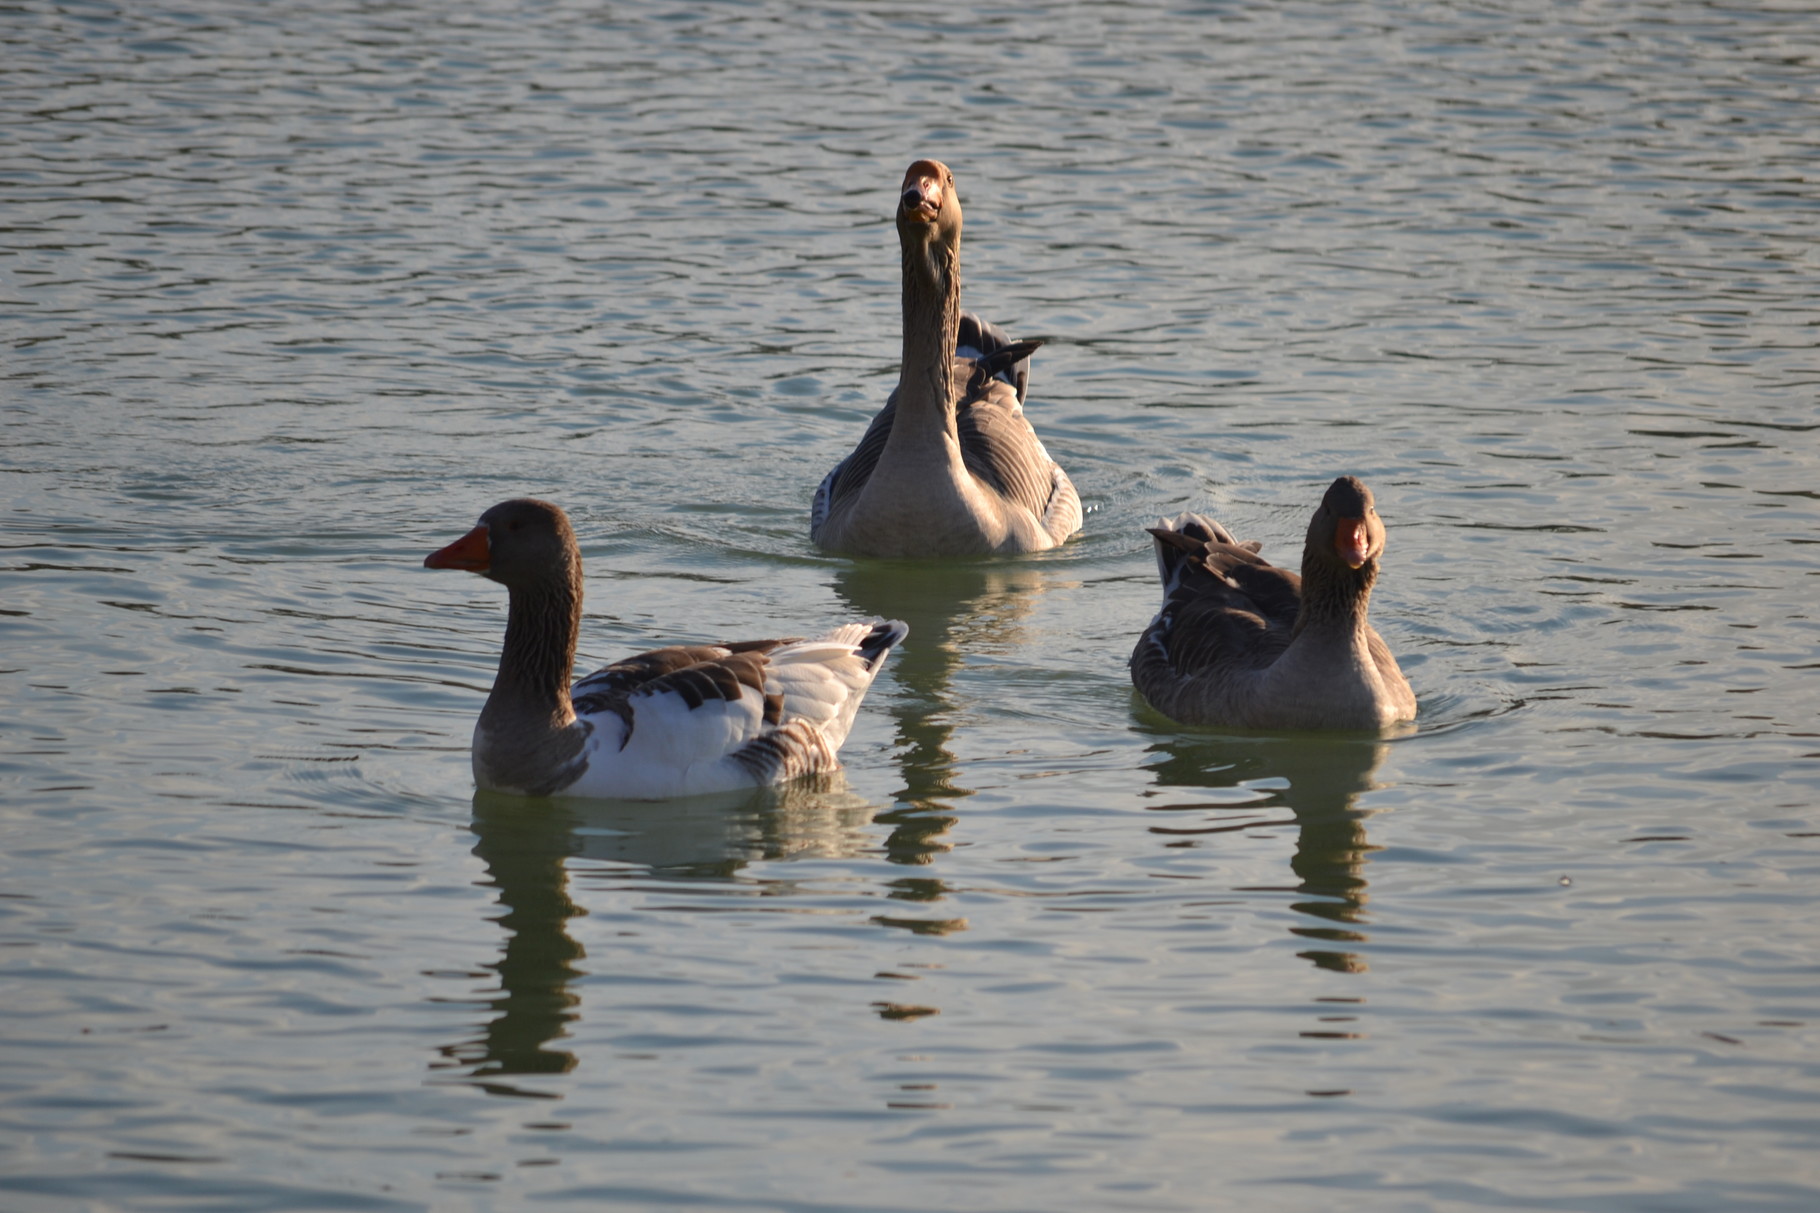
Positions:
{"x": 1352, "y": 541}
{"x": 470, "y": 553}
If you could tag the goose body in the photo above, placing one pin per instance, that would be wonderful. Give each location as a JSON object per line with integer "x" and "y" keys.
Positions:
{"x": 678, "y": 721}
{"x": 950, "y": 466}
{"x": 1242, "y": 643}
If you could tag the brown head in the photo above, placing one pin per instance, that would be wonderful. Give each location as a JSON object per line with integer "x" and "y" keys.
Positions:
{"x": 1346, "y": 528}
{"x": 525, "y": 741}
{"x": 519, "y": 543}
{"x": 928, "y": 196}
{"x": 929, "y": 214}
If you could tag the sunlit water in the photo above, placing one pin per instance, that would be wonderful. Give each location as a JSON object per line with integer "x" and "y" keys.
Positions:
{"x": 291, "y": 293}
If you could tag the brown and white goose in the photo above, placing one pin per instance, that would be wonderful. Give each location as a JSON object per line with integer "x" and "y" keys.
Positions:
{"x": 677, "y": 721}
{"x": 949, "y": 467}
{"x": 1242, "y": 643}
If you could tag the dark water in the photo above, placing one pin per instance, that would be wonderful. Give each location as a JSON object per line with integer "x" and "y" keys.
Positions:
{"x": 289, "y": 296}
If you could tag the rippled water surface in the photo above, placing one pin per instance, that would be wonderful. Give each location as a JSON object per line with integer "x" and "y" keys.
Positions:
{"x": 289, "y": 294}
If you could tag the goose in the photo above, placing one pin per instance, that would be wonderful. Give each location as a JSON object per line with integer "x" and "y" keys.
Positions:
{"x": 949, "y": 467}
{"x": 1241, "y": 643}
{"x": 684, "y": 720}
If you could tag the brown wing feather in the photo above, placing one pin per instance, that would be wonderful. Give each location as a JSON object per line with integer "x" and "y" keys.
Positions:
{"x": 696, "y": 671}
{"x": 999, "y": 447}
{"x": 851, "y": 474}
{"x": 1225, "y": 605}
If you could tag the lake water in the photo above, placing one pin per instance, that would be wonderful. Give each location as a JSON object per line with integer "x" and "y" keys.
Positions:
{"x": 289, "y": 294}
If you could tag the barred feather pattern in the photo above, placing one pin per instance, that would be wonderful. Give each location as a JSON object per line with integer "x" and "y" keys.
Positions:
{"x": 697, "y": 673}
{"x": 1209, "y": 623}
{"x": 695, "y": 718}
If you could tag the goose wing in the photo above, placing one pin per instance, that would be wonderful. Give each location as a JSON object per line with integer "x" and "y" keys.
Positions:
{"x": 1224, "y": 605}
{"x": 998, "y": 444}
{"x": 851, "y": 474}
{"x": 1002, "y": 451}
{"x": 697, "y": 718}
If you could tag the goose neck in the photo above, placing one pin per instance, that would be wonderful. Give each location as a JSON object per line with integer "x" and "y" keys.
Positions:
{"x": 1335, "y": 600}
{"x": 931, "y": 320}
{"x": 543, "y": 624}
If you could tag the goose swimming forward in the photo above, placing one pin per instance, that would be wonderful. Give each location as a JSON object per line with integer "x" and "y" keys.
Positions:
{"x": 677, "y": 721}
{"x": 949, "y": 467}
{"x": 1244, "y": 644}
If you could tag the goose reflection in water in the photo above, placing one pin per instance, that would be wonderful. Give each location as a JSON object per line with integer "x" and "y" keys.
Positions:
{"x": 529, "y": 847}
{"x": 953, "y": 608}
{"x": 1324, "y": 777}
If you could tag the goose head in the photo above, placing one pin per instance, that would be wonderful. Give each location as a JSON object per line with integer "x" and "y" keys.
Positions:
{"x": 1346, "y": 529}
{"x": 519, "y": 543}
{"x": 929, "y": 210}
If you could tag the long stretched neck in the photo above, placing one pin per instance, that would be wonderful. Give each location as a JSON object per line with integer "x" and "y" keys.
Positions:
{"x": 932, "y": 314}
{"x": 1335, "y": 599}
{"x": 543, "y": 624}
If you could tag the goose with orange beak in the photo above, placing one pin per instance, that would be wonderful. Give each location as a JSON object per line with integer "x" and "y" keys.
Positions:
{"x": 1241, "y": 643}
{"x": 684, "y": 720}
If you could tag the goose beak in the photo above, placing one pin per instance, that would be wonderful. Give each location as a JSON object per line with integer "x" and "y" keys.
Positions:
{"x": 470, "y": 554}
{"x": 922, "y": 199}
{"x": 1352, "y": 541}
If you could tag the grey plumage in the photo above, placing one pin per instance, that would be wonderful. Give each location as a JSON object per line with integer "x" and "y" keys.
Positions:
{"x": 949, "y": 466}
{"x": 1240, "y": 642}
{"x": 991, "y": 374}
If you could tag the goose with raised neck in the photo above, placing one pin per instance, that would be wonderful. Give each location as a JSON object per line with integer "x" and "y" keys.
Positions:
{"x": 683, "y": 720}
{"x": 950, "y": 466}
{"x": 1242, "y": 643}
